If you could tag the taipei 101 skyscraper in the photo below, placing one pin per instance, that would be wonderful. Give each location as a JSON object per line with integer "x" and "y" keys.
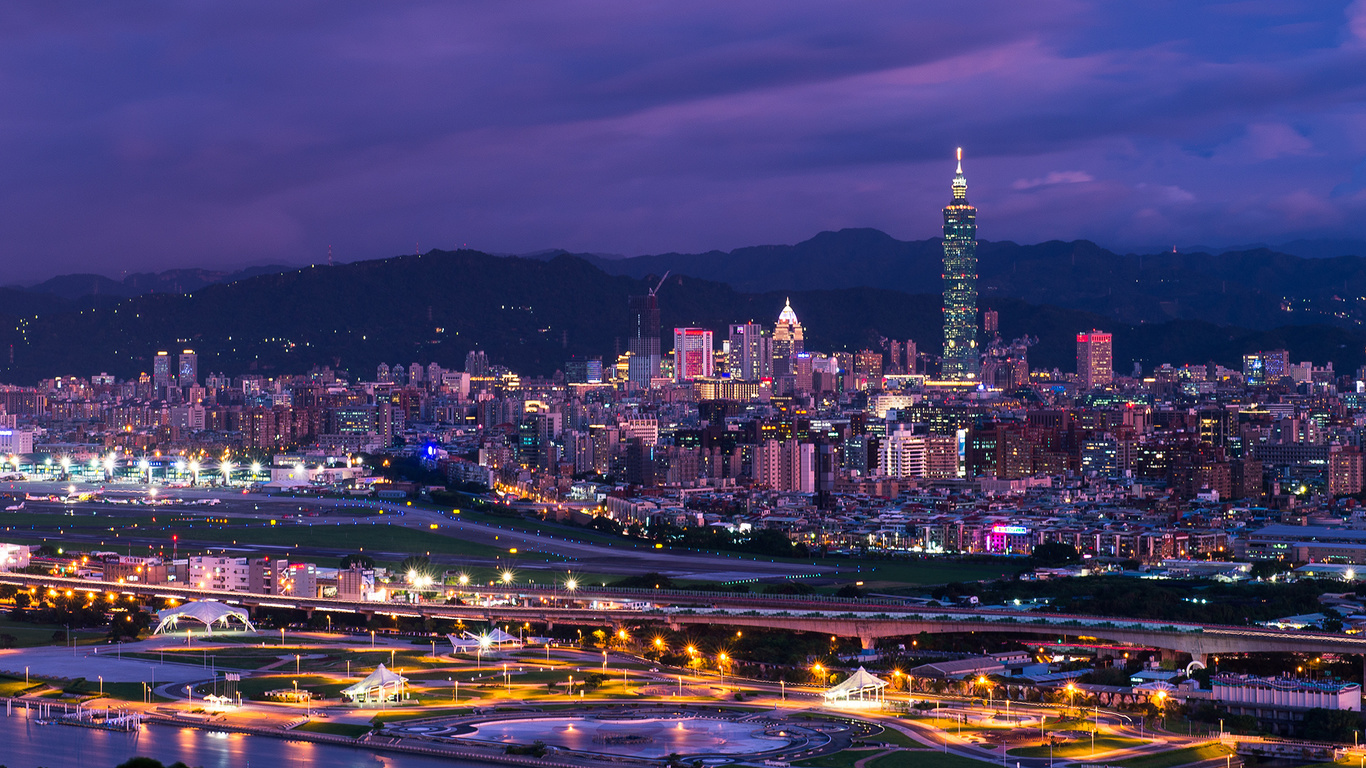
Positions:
{"x": 961, "y": 360}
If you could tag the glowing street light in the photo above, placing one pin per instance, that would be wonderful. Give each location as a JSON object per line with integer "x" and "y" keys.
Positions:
{"x": 507, "y": 577}
{"x": 226, "y": 467}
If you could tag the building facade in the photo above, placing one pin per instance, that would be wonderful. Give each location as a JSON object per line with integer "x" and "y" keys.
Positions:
{"x": 961, "y": 361}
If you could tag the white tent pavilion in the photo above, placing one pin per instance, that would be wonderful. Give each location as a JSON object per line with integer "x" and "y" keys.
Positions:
{"x": 494, "y": 639}
{"x": 206, "y": 612}
{"x": 859, "y": 687}
{"x": 375, "y": 686}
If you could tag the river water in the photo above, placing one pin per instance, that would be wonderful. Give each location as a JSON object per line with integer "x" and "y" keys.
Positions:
{"x": 25, "y": 744}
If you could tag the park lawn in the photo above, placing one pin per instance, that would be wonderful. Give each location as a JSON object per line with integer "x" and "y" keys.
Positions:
{"x": 893, "y": 736}
{"x": 1176, "y": 757}
{"x": 255, "y": 687}
{"x": 125, "y": 692}
{"x": 349, "y": 730}
{"x": 926, "y": 759}
{"x": 28, "y": 635}
{"x": 13, "y": 687}
{"x": 404, "y": 716}
{"x": 1079, "y": 748}
{"x": 349, "y": 536}
{"x": 844, "y": 759}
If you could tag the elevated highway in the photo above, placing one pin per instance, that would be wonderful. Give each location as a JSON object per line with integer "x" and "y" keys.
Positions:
{"x": 866, "y": 620}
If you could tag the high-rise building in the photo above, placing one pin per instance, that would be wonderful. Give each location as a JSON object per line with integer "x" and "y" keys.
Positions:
{"x": 692, "y": 353}
{"x": 644, "y": 341}
{"x": 788, "y": 338}
{"x": 162, "y": 375}
{"x": 960, "y": 283}
{"x": 477, "y": 362}
{"x": 1095, "y": 360}
{"x": 189, "y": 369}
{"x": 1263, "y": 368}
{"x": 991, "y": 323}
{"x": 751, "y": 352}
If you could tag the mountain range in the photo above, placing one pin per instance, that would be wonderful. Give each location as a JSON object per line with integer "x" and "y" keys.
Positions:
{"x": 1258, "y": 288}
{"x": 533, "y": 314}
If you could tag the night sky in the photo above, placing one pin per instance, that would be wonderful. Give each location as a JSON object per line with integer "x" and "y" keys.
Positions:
{"x": 152, "y": 135}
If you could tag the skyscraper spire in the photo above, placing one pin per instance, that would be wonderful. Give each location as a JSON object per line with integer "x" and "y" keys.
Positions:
{"x": 960, "y": 182}
{"x": 961, "y": 359}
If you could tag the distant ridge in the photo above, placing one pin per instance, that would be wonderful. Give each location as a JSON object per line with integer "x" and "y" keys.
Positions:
{"x": 533, "y": 314}
{"x": 1254, "y": 288}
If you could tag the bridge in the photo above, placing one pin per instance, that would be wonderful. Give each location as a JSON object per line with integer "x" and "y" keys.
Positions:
{"x": 867, "y": 620}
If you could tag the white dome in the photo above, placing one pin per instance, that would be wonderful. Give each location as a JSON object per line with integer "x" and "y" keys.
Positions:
{"x": 787, "y": 315}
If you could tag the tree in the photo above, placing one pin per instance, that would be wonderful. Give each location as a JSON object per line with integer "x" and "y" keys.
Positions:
{"x": 358, "y": 560}
{"x": 849, "y": 590}
{"x": 1330, "y": 724}
{"x": 1054, "y": 553}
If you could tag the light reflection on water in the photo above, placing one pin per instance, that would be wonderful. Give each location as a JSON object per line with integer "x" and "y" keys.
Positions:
{"x": 24, "y": 744}
{"x": 686, "y": 736}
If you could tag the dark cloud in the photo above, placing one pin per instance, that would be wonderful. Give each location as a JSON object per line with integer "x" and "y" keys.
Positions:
{"x": 220, "y": 134}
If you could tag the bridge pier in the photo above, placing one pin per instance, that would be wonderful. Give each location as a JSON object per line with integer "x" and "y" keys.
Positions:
{"x": 308, "y": 613}
{"x": 869, "y": 644}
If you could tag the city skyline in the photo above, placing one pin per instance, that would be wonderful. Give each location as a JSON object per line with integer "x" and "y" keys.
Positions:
{"x": 378, "y": 130}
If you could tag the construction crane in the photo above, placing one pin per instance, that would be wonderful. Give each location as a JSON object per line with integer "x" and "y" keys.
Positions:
{"x": 661, "y": 282}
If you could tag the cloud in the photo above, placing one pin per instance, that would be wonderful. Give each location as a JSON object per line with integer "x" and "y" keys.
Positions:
{"x": 1055, "y": 177}
{"x": 1266, "y": 141}
{"x": 203, "y": 134}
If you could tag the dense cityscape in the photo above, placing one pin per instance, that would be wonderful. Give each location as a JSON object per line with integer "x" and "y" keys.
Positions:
{"x": 736, "y": 517}
{"x": 630, "y": 385}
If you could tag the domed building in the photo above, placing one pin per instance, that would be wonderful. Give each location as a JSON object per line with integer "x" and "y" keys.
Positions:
{"x": 787, "y": 338}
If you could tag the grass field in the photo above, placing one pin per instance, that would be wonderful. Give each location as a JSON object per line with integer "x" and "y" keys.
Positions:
{"x": 845, "y": 759}
{"x": 1176, "y": 757}
{"x": 1078, "y": 748}
{"x": 27, "y": 635}
{"x": 929, "y": 759}
{"x": 893, "y": 736}
{"x": 349, "y": 730}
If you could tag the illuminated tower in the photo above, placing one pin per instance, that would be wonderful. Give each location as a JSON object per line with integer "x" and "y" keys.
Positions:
{"x": 787, "y": 338}
{"x": 961, "y": 362}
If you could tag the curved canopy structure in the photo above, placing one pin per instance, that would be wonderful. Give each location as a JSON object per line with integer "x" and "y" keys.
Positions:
{"x": 861, "y": 686}
{"x": 206, "y": 612}
{"x": 380, "y": 685}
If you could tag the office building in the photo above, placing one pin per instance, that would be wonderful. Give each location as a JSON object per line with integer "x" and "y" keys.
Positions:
{"x": 16, "y": 442}
{"x": 1263, "y": 368}
{"x": 692, "y": 353}
{"x": 960, "y": 283}
{"x": 643, "y": 345}
{"x": 189, "y": 369}
{"x": 751, "y": 352}
{"x": 162, "y": 375}
{"x": 1095, "y": 360}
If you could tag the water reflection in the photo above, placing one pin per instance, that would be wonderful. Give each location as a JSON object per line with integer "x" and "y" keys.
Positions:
{"x": 25, "y": 743}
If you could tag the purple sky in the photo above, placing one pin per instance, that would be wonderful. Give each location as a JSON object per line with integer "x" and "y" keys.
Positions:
{"x": 153, "y": 135}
